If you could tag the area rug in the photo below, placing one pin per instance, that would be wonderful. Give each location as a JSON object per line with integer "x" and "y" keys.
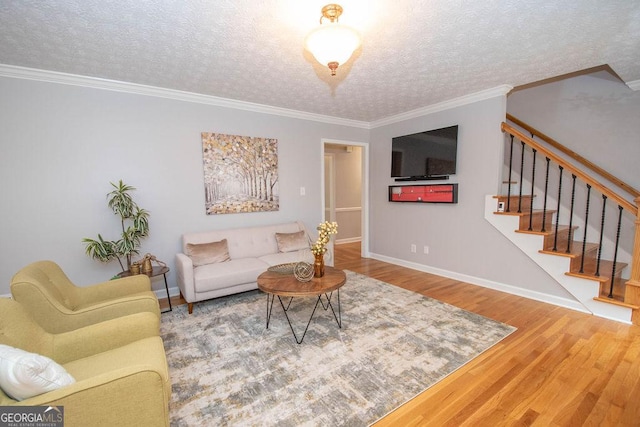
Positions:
{"x": 226, "y": 368}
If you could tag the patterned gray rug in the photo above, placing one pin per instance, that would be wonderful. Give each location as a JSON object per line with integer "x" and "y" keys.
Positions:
{"x": 228, "y": 369}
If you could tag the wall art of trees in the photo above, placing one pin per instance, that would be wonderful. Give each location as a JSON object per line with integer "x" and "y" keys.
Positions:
{"x": 240, "y": 173}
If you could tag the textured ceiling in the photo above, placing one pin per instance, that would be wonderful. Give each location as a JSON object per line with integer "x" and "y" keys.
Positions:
{"x": 415, "y": 53}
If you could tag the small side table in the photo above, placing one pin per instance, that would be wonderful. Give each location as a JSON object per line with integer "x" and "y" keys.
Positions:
{"x": 157, "y": 270}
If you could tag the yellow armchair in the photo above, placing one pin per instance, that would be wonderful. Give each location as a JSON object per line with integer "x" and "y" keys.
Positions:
{"x": 59, "y": 306}
{"x": 119, "y": 366}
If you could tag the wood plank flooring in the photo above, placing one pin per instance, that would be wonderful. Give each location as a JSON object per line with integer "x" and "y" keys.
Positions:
{"x": 560, "y": 368}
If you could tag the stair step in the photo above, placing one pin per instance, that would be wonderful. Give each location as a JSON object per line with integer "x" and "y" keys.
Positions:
{"x": 616, "y": 302}
{"x": 536, "y": 221}
{"x": 619, "y": 289}
{"x": 550, "y": 238}
{"x": 617, "y": 298}
{"x": 575, "y": 253}
{"x": 575, "y": 250}
{"x": 550, "y": 229}
{"x": 513, "y": 201}
{"x": 606, "y": 268}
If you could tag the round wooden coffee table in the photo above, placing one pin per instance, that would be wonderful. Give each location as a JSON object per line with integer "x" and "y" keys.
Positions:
{"x": 286, "y": 285}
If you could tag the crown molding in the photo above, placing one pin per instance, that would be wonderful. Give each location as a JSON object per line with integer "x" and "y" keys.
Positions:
{"x": 138, "y": 89}
{"x": 445, "y": 105}
{"x": 634, "y": 85}
{"x": 13, "y": 71}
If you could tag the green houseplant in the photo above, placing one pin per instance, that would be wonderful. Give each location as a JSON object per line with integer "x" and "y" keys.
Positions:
{"x": 135, "y": 225}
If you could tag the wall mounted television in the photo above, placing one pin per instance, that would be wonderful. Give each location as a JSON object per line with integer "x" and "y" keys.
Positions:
{"x": 425, "y": 155}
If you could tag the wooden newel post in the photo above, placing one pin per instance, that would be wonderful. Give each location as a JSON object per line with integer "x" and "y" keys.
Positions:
{"x": 632, "y": 288}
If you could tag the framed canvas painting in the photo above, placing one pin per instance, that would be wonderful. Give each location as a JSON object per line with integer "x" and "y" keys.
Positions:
{"x": 240, "y": 173}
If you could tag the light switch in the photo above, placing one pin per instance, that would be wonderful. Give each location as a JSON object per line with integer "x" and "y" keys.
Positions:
{"x": 302, "y": 191}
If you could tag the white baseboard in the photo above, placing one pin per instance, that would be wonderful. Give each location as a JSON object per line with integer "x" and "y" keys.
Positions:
{"x": 510, "y": 289}
{"x": 348, "y": 240}
{"x": 162, "y": 293}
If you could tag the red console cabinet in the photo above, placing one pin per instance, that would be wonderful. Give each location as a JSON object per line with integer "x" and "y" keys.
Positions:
{"x": 430, "y": 193}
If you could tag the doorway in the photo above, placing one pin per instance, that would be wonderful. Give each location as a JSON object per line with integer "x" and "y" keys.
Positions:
{"x": 345, "y": 186}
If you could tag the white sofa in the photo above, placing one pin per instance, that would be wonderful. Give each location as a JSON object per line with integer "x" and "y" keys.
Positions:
{"x": 204, "y": 271}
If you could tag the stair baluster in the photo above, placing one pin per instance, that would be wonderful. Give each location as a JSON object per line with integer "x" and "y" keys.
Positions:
{"x": 602, "y": 216}
{"x": 546, "y": 187}
{"x": 586, "y": 228}
{"x": 615, "y": 253}
{"x": 521, "y": 175}
{"x": 555, "y": 237}
{"x": 573, "y": 199}
{"x": 533, "y": 180}
{"x": 510, "y": 171}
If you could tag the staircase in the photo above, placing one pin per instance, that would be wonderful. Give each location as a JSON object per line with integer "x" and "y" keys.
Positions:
{"x": 581, "y": 248}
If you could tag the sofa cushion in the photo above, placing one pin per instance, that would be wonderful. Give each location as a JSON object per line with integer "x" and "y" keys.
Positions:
{"x": 227, "y": 274}
{"x": 208, "y": 253}
{"x": 24, "y": 375}
{"x": 289, "y": 242}
{"x": 146, "y": 351}
{"x": 246, "y": 242}
{"x": 144, "y": 355}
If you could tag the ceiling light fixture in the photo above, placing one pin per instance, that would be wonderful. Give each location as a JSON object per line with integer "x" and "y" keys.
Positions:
{"x": 332, "y": 44}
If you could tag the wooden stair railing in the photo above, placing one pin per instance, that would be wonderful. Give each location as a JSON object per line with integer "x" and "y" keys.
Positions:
{"x": 586, "y": 257}
{"x": 629, "y": 206}
{"x": 572, "y": 154}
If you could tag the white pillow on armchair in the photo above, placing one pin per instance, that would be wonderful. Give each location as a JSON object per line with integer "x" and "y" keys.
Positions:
{"x": 24, "y": 375}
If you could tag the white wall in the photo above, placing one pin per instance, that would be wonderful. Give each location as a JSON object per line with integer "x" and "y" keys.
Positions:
{"x": 461, "y": 243}
{"x": 62, "y": 145}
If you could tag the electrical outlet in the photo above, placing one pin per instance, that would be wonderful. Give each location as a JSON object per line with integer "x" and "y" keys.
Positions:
{"x": 426, "y": 249}
{"x": 413, "y": 249}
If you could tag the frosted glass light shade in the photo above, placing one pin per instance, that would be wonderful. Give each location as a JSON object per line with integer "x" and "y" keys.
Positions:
{"x": 332, "y": 42}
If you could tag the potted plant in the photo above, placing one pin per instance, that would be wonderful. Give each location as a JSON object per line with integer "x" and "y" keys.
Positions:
{"x": 135, "y": 225}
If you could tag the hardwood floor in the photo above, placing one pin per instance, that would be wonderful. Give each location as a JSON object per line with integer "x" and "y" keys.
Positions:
{"x": 560, "y": 368}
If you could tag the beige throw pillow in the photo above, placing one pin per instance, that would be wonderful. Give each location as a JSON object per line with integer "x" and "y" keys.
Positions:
{"x": 289, "y": 242}
{"x": 208, "y": 253}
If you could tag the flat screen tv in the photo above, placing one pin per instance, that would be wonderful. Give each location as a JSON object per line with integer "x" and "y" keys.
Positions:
{"x": 425, "y": 155}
